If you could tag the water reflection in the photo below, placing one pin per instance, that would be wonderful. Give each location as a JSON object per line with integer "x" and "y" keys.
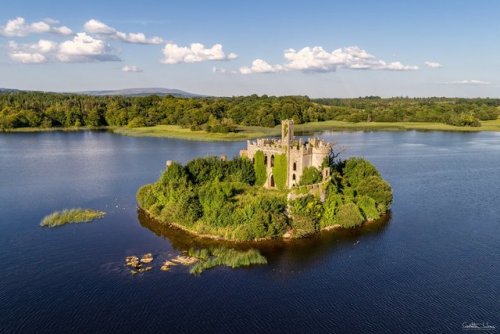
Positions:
{"x": 298, "y": 251}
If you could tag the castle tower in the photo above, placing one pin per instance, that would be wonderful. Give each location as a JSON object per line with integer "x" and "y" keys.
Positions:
{"x": 287, "y": 132}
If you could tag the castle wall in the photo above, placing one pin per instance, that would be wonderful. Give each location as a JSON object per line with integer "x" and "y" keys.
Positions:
{"x": 302, "y": 155}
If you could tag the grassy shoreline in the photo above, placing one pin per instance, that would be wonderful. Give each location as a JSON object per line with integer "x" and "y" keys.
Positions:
{"x": 251, "y": 132}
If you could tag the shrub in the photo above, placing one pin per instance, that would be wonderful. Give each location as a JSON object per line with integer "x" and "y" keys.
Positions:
{"x": 331, "y": 206}
{"x": 145, "y": 197}
{"x": 376, "y": 188}
{"x": 241, "y": 170}
{"x": 368, "y": 207}
{"x": 310, "y": 175}
{"x": 349, "y": 215}
{"x": 357, "y": 169}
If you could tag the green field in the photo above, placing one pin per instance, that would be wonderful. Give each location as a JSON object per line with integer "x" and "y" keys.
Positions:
{"x": 249, "y": 132}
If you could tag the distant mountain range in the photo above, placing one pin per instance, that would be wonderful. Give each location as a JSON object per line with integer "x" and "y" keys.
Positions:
{"x": 141, "y": 92}
{"x": 126, "y": 92}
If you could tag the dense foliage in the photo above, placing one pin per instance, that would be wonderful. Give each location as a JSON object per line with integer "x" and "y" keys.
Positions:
{"x": 260, "y": 168}
{"x": 357, "y": 193}
{"x": 280, "y": 169}
{"x": 224, "y": 199}
{"x": 310, "y": 175}
{"x": 47, "y": 110}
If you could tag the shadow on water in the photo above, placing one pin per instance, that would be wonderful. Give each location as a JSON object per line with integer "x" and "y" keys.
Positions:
{"x": 298, "y": 251}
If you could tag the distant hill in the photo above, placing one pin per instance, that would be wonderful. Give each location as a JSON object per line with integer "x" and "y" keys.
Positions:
{"x": 8, "y": 90}
{"x": 141, "y": 92}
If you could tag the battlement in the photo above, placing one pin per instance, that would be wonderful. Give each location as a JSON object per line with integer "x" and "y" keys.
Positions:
{"x": 300, "y": 154}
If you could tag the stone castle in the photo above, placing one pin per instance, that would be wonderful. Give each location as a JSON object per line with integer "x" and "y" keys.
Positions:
{"x": 300, "y": 154}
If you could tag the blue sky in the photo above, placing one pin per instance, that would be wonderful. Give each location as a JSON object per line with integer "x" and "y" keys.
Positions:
{"x": 224, "y": 48}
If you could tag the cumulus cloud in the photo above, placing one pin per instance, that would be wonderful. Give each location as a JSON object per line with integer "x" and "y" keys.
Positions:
{"x": 196, "y": 52}
{"x": 31, "y": 53}
{"x": 433, "y": 64}
{"x": 18, "y": 27}
{"x": 261, "y": 66}
{"x": 101, "y": 29}
{"x": 131, "y": 68}
{"x": 85, "y": 48}
{"x": 28, "y": 57}
{"x": 82, "y": 48}
{"x": 317, "y": 59}
{"x": 468, "y": 82}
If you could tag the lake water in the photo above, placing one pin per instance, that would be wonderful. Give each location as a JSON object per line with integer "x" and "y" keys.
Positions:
{"x": 431, "y": 266}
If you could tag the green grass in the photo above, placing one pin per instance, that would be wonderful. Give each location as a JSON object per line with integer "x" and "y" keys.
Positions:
{"x": 228, "y": 257}
{"x": 175, "y": 131}
{"x": 68, "y": 216}
{"x": 250, "y": 132}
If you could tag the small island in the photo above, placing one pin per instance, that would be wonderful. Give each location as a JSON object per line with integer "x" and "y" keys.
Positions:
{"x": 71, "y": 216}
{"x": 276, "y": 188}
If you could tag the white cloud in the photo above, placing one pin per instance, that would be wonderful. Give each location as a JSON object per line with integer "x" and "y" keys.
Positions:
{"x": 433, "y": 64}
{"x": 18, "y": 27}
{"x": 85, "y": 48}
{"x": 131, "y": 68}
{"x": 31, "y": 53}
{"x": 94, "y": 26}
{"x": 196, "y": 52}
{"x": 27, "y": 57}
{"x": 261, "y": 66}
{"x": 468, "y": 82}
{"x": 317, "y": 59}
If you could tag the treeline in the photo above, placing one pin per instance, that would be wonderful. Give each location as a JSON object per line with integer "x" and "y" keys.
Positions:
{"x": 48, "y": 110}
{"x": 453, "y": 111}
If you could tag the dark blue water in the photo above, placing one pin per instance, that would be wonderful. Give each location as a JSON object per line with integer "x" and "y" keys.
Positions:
{"x": 433, "y": 265}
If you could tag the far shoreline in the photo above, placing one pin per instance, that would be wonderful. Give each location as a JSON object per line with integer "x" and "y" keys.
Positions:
{"x": 252, "y": 132}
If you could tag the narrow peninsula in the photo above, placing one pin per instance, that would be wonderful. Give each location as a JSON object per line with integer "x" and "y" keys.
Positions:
{"x": 276, "y": 188}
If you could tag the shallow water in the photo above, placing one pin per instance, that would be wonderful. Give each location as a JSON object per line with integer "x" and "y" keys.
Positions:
{"x": 433, "y": 265}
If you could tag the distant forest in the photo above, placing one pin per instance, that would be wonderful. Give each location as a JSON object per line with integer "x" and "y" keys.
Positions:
{"x": 214, "y": 114}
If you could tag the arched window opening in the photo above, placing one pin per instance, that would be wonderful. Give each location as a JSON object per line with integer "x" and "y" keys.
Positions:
{"x": 293, "y": 177}
{"x": 272, "y": 181}
{"x": 265, "y": 160}
{"x": 272, "y": 160}
{"x": 294, "y": 167}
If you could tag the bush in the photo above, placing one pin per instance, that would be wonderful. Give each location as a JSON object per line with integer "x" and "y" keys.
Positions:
{"x": 307, "y": 212}
{"x": 145, "y": 197}
{"x": 368, "y": 207}
{"x": 349, "y": 215}
{"x": 331, "y": 206}
{"x": 310, "y": 175}
{"x": 376, "y": 188}
{"x": 357, "y": 169}
{"x": 241, "y": 170}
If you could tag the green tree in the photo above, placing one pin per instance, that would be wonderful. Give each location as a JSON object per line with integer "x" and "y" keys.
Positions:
{"x": 310, "y": 175}
{"x": 376, "y": 188}
{"x": 349, "y": 215}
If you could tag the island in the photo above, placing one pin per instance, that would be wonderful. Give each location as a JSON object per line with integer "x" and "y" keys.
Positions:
{"x": 276, "y": 188}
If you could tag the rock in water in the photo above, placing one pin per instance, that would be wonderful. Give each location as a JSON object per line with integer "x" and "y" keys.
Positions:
{"x": 147, "y": 258}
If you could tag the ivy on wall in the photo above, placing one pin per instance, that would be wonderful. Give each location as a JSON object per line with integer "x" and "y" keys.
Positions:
{"x": 260, "y": 168}
{"x": 280, "y": 170}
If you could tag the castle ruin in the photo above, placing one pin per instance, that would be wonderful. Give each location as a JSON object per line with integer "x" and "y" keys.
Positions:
{"x": 299, "y": 154}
